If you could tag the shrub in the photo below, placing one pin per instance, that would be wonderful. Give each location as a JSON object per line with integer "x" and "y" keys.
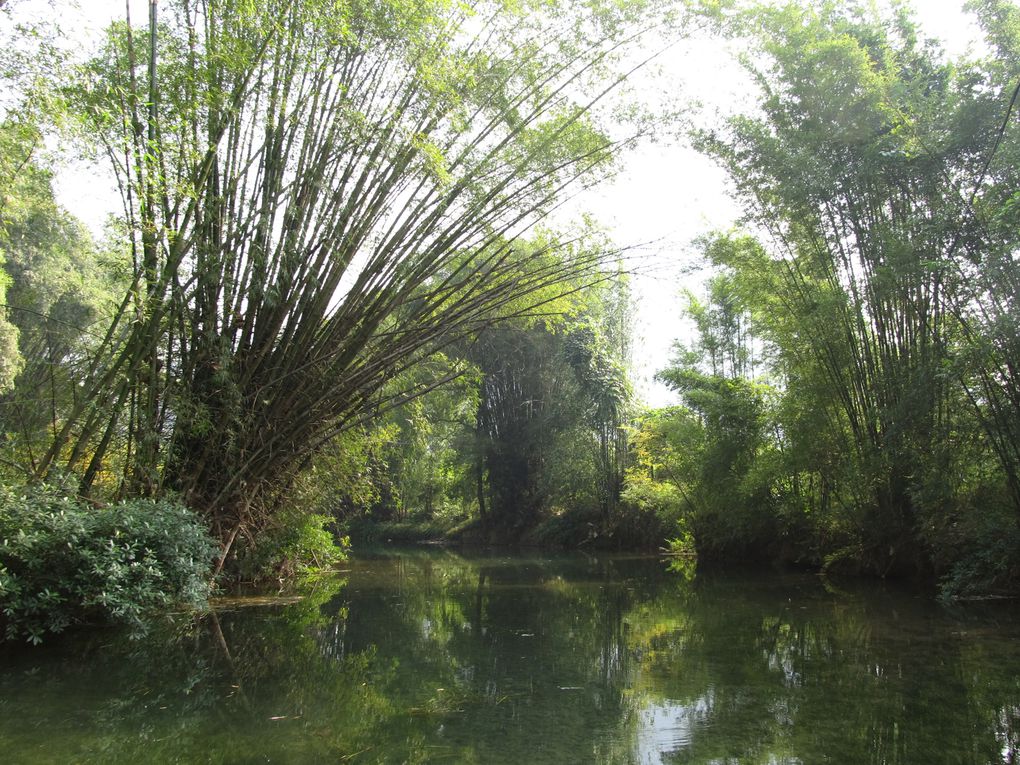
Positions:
{"x": 661, "y": 499}
{"x": 64, "y": 562}
{"x": 297, "y": 543}
{"x": 985, "y": 559}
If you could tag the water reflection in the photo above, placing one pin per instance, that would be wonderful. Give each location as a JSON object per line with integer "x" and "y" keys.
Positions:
{"x": 439, "y": 657}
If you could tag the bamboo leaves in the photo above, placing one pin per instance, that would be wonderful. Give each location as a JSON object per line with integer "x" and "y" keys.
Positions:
{"x": 874, "y": 285}
{"x": 319, "y": 193}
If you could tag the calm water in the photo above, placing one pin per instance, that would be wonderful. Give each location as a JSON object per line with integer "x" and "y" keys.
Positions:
{"x": 437, "y": 657}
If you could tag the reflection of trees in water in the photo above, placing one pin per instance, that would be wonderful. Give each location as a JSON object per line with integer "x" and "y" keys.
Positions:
{"x": 508, "y": 660}
{"x": 772, "y": 678}
{"x": 522, "y": 650}
{"x": 1007, "y": 733}
{"x": 220, "y": 688}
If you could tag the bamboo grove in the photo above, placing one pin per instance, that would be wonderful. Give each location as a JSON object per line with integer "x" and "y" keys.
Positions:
{"x": 338, "y": 294}
{"x": 317, "y": 195}
{"x": 875, "y": 285}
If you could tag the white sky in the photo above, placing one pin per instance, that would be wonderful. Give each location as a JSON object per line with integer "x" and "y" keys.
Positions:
{"x": 671, "y": 195}
{"x": 666, "y": 194}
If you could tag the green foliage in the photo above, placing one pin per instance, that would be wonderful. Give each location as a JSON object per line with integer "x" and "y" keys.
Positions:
{"x": 547, "y": 424}
{"x": 709, "y": 452}
{"x": 320, "y": 197}
{"x": 431, "y": 438}
{"x": 877, "y": 291}
{"x": 682, "y": 545}
{"x": 986, "y": 562}
{"x": 630, "y": 527}
{"x": 297, "y": 543}
{"x": 63, "y": 562}
{"x": 519, "y": 427}
{"x": 350, "y": 473}
{"x": 11, "y": 361}
{"x": 367, "y": 531}
{"x": 58, "y": 285}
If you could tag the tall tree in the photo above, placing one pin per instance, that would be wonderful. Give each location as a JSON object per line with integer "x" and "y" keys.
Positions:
{"x": 318, "y": 194}
{"x": 876, "y": 285}
{"x": 60, "y": 287}
{"x": 553, "y": 405}
{"x": 986, "y": 247}
{"x": 597, "y": 351}
{"x": 847, "y": 171}
{"x": 14, "y": 155}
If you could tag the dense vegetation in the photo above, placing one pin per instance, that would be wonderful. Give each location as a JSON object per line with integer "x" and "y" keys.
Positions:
{"x": 64, "y": 562}
{"x": 334, "y": 299}
{"x": 852, "y": 397}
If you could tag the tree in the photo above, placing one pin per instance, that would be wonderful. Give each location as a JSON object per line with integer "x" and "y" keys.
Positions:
{"x": 698, "y": 465}
{"x": 431, "y": 459}
{"x": 847, "y": 170}
{"x": 879, "y": 282}
{"x": 60, "y": 286}
{"x": 985, "y": 249}
{"x": 598, "y": 350}
{"x": 317, "y": 196}
{"x": 723, "y": 343}
{"x": 14, "y": 156}
{"x": 553, "y": 403}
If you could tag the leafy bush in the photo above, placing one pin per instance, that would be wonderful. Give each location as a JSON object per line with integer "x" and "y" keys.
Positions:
{"x": 661, "y": 498}
{"x": 298, "y": 542}
{"x": 63, "y": 562}
{"x": 985, "y": 559}
{"x": 365, "y": 530}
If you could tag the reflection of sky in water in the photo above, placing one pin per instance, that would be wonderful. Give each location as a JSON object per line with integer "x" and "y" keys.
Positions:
{"x": 668, "y": 727}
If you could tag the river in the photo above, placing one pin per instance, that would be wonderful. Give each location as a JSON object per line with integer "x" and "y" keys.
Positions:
{"x": 427, "y": 656}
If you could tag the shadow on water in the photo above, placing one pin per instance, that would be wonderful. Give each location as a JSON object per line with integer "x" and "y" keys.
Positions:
{"x": 435, "y": 656}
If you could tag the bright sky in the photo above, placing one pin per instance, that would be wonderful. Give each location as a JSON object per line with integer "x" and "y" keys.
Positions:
{"x": 666, "y": 194}
{"x": 669, "y": 194}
